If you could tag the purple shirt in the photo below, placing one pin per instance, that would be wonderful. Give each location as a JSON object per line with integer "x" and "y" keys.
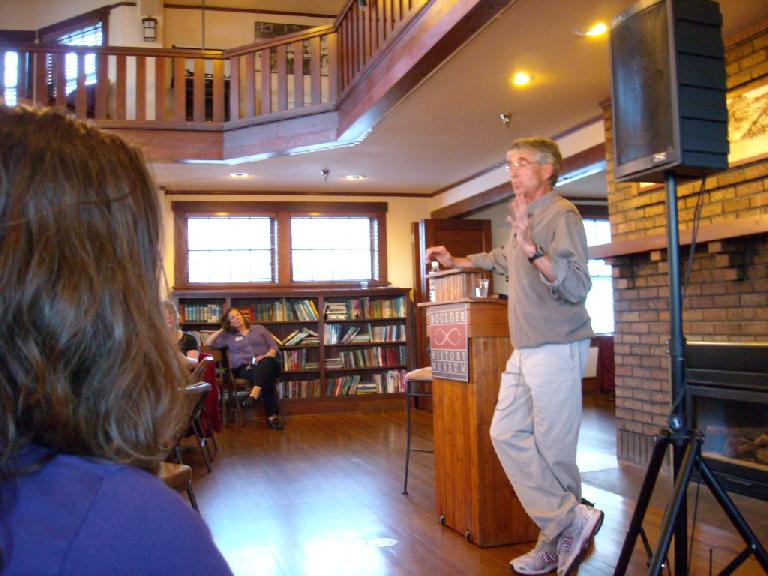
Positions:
{"x": 242, "y": 348}
{"x": 79, "y": 516}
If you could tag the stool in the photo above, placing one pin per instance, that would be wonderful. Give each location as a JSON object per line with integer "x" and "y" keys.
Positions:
{"x": 413, "y": 380}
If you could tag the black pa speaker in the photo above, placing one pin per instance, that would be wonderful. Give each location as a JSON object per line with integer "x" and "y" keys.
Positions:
{"x": 669, "y": 113}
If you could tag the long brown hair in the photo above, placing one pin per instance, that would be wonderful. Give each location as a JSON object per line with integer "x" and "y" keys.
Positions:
{"x": 225, "y": 323}
{"x": 86, "y": 364}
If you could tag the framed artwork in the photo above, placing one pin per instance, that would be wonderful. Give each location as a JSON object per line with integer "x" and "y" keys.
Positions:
{"x": 748, "y": 121}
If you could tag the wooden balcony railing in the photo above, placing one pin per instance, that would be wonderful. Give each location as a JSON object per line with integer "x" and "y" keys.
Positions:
{"x": 206, "y": 90}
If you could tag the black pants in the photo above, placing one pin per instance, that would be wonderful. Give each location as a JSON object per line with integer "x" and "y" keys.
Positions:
{"x": 264, "y": 375}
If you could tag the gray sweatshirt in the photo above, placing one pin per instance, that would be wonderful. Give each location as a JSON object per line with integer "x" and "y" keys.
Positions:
{"x": 541, "y": 312}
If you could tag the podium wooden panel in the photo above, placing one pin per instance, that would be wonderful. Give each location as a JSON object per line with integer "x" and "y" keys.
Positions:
{"x": 474, "y": 496}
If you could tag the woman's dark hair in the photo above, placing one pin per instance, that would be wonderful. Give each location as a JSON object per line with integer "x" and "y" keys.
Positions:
{"x": 226, "y": 326}
{"x": 86, "y": 363}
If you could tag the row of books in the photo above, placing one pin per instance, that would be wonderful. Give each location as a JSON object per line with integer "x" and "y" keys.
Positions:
{"x": 299, "y": 389}
{"x": 297, "y": 360}
{"x": 198, "y": 312}
{"x": 365, "y": 308}
{"x": 373, "y": 357}
{"x": 303, "y": 336}
{"x": 389, "y": 382}
{"x": 362, "y": 333}
{"x": 283, "y": 310}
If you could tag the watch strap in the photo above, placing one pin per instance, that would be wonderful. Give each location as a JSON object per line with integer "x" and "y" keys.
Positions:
{"x": 536, "y": 255}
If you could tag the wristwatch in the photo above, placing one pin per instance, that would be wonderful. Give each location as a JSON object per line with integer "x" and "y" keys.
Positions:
{"x": 536, "y": 255}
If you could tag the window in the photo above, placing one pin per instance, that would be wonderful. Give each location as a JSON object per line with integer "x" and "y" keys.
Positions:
{"x": 335, "y": 248}
{"x": 11, "y": 78}
{"x": 286, "y": 243}
{"x": 225, "y": 249}
{"x": 88, "y": 36}
{"x": 600, "y": 298}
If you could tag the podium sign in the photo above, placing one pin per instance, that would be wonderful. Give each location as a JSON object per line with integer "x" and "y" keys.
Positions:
{"x": 447, "y": 328}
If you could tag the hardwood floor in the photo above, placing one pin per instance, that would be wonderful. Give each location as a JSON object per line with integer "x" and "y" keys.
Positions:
{"x": 323, "y": 497}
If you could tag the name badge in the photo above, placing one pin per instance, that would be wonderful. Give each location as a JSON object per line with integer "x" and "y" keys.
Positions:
{"x": 238, "y": 338}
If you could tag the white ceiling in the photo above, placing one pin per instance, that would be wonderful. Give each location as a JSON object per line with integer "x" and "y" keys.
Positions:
{"x": 449, "y": 127}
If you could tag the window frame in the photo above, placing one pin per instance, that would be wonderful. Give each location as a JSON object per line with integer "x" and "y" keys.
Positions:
{"x": 281, "y": 212}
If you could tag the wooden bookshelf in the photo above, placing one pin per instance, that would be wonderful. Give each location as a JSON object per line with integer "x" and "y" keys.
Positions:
{"x": 341, "y": 350}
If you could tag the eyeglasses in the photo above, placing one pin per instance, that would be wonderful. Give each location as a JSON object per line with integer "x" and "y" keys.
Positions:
{"x": 522, "y": 163}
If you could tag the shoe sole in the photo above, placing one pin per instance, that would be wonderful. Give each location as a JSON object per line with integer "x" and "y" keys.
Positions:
{"x": 516, "y": 571}
{"x": 593, "y": 530}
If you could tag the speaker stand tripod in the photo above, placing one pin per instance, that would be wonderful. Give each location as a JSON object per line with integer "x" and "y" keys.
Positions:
{"x": 686, "y": 446}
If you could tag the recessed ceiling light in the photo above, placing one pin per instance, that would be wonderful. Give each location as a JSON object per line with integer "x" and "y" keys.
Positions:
{"x": 239, "y": 174}
{"x": 521, "y": 78}
{"x": 594, "y": 31}
{"x": 356, "y": 177}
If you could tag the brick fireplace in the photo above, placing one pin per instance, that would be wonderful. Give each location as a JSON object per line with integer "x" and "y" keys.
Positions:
{"x": 727, "y": 294}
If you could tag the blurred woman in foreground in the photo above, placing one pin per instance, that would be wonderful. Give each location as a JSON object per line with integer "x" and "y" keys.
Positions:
{"x": 88, "y": 374}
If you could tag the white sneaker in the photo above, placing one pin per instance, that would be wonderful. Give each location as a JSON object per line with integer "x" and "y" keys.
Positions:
{"x": 574, "y": 540}
{"x": 542, "y": 559}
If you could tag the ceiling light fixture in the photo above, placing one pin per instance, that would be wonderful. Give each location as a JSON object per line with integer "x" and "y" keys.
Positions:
{"x": 521, "y": 78}
{"x": 356, "y": 177}
{"x": 238, "y": 174}
{"x": 325, "y": 172}
{"x": 596, "y": 30}
{"x": 506, "y": 117}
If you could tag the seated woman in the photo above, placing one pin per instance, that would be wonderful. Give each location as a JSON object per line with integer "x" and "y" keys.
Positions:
{"x": 88, "y": 375}
{"x": 252, "y": 355}
{"x": 186, "y": 342}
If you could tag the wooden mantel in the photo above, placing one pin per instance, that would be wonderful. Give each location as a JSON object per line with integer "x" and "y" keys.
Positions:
{"x": 735, "y": 228}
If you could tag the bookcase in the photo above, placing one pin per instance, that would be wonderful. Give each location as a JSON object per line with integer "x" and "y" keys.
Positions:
{"x": 341, "y": 350}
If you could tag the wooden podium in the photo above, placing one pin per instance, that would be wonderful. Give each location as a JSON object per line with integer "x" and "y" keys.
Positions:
{"x": 474, "y": 496}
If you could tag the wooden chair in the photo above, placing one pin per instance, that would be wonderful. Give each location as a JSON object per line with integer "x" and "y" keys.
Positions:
{"x": 198, "y": 375}
{"x": 178, "y": 477}
{"x": 234, "y": 390}
{"x": 418, "y": 384}
{"x": 194, "y": 396}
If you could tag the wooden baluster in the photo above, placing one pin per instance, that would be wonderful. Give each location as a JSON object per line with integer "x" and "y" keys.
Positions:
{"x": 333, "y": 76}
{"x": 234, "y": 88}
{"x": 198, "y": 94}
{"x": 141, "y": 87}
{"x": 161, "y": 87}
{"x": 381, "y": 21}
{"x": 59, "y": 78}
{"x": 81, "y": 100}
{"x": 360, "y": 44}
{"x": 282, "y": 78}
{"x": 298, "y": 75}
{"x": 314, "y": 66}
{"x": 120, "y": 88}
{"x": 218, "y": 91}
{"x": 396, "y": 13}
{"x": 2, "y": 77}
{"x": 266, "y": 81}
{"x": 367, "y": 34}
{"x": 40, "y": 91}
{"x": 102, "y": 86}
{"x": 250, "y": 85}
{"x": 179, "y": 89}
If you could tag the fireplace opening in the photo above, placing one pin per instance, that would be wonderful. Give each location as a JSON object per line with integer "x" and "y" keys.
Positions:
{"x": 727, "y": 400}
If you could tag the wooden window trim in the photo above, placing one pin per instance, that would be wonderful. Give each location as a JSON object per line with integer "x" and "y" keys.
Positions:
{"x": 282, "y": 213}
{"x": 49, "y": 34}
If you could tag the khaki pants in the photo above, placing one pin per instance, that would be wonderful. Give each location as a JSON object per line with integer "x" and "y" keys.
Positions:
{"x": 535, "y": 430}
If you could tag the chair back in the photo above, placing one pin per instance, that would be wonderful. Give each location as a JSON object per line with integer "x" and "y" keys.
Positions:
{"x": 199, "y": 372}
{"x": 194, "y": 398}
